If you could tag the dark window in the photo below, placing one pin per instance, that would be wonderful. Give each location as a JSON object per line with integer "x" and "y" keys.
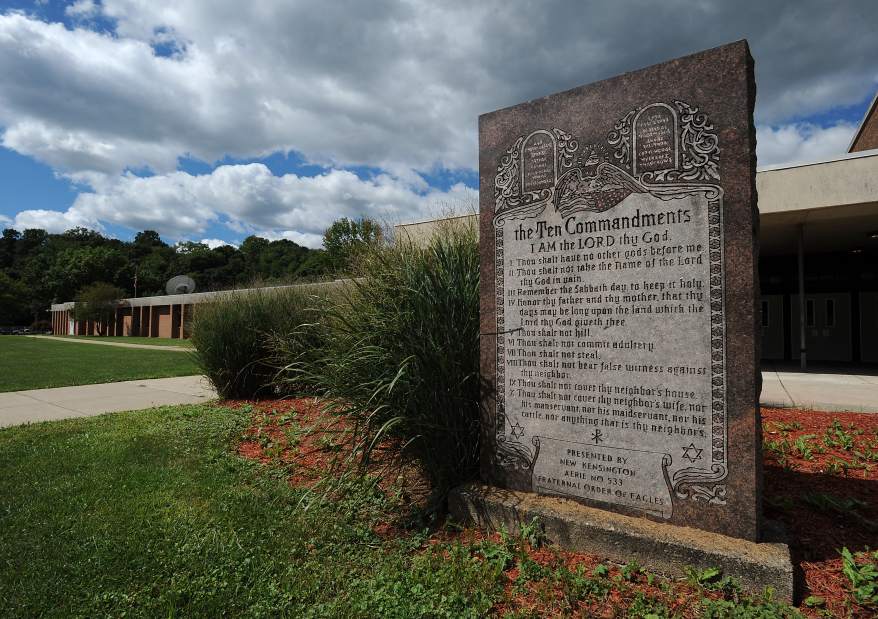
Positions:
{"x": 765, "y": 322}
{"x": 809, "y": 312}
{"x": 830, "y": 312}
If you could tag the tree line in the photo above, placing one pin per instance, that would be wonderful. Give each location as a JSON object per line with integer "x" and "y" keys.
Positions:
{"x": 38, "y": 268}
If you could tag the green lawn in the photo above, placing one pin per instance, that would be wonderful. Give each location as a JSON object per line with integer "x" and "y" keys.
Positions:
{"x": 31, "y": 363}
{"x": 152, "y": 513}
{"x": 154, "y": 341}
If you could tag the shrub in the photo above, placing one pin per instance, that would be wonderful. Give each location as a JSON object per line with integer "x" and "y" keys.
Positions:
{"x": 97, "y": 302}
{"x": 401, "y": 361}
{"x": 236, "y": 338}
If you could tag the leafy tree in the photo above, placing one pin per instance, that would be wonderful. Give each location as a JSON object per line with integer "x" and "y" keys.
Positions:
{"x": 315, "y": 265}
{"x": 84, "y": 236}
{"x": 97, "y": 302}
{"x": 50, "y": 268}
{"x": 147, "y": 240}
{"x": 7, "y": 247}
{"x": 14, "y": 308}
{"x": 74, "y": 268}
{"x": 346, "y": 238}
{"x": 32, "y": 240}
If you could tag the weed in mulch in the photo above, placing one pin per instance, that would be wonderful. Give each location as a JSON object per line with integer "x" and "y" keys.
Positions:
{"x": 821, "y": 480}
{"x": 313, "y": 445}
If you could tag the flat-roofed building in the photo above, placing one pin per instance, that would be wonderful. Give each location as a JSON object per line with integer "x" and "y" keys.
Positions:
{"x": 166, "y": 316}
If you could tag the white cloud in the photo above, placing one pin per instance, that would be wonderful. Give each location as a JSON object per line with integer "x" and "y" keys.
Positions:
{"x": 801, "y": 142}
{"x": 81, "y": 8}
{"x": 397, "y": 86}
{"x": 5, "y": 221}
{"x": 214, "y": 243}
{"x": 253, "y": 200}
{"x": 54, "y": 221}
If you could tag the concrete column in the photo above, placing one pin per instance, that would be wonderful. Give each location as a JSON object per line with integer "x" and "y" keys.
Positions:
{"x": 176, "y": 321}
{"x": 802, "y": 304}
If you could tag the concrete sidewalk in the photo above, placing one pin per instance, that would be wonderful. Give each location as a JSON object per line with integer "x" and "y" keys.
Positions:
{"x": 119, "y": 344}
{"x": 17, "y": 407}
{"x": 828, "y": 392}
{"x": 825, "y": 392}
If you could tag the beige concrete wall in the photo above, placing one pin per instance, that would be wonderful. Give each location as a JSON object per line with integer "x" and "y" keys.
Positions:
{"x": 819, "y": 185}
{"x": 421, "y": 232}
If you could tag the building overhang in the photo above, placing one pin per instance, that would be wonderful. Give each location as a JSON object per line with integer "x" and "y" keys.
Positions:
{"x": 835, "y": 200}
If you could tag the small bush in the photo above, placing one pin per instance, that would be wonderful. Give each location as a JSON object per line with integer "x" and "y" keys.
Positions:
{"x": 401, "y": 361}
{"x": 237, "y": 336}
{"x": 41, "y": 325}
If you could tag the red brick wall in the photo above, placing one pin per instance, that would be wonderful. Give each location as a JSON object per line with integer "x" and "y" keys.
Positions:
{"x": 868, "y": 137}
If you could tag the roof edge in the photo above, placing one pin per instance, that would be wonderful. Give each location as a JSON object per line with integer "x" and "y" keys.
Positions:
{"x": 872, "y": 152}
{"x": 862, "y": 124}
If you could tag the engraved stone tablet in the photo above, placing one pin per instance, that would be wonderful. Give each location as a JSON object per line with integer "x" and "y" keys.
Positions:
{"x": 654, "y": 138}
{"x": 619, "y": 294}
{"x": 538, "y": 162}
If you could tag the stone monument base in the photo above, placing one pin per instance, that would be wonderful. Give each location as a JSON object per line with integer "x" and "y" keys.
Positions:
{"x": 663, "y": 548}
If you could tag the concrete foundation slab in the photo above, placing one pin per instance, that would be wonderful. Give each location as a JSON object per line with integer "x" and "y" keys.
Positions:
{"x": 661, "y": 548}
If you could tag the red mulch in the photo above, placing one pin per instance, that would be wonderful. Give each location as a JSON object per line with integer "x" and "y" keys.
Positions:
{"x": 818, "y": 533}
{"x": 278, "y": 423}
{"x": 298, "y": 434}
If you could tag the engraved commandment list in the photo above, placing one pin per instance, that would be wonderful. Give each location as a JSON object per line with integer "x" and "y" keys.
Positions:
{"x": 608, "y": 346}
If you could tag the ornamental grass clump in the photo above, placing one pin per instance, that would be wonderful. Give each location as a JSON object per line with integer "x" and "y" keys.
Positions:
{"x": 237, "y": 338}
{"x": 401, "y": 362}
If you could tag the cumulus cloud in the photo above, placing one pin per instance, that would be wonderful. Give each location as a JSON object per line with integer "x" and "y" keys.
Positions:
{"x": 81, "y": 8}
{"x": 801, "y": 142}
{"x": 251, "y": 200}
{"x": 396, "y": 86}
{"x": 54, "y": 221}
{"x": 214, "y": 243}
{"x": 386, "y": 84}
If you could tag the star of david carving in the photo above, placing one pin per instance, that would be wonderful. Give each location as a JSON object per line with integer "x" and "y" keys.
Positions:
{"x": 690, "y": 450}
{"x": 516, "y": 430}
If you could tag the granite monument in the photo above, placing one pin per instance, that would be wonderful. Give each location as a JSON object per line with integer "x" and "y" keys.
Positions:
{"x": 618, "y": 231}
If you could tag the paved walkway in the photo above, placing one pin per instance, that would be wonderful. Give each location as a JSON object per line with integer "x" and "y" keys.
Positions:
{"x": 17, "y": 407}
{"x": 829, "y": 392}
{"x": 119, "y": 344}
{"x": 826, "y": 392}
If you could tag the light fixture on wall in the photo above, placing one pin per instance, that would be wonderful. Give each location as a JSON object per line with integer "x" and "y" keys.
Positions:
{"x": 873, "y": 234}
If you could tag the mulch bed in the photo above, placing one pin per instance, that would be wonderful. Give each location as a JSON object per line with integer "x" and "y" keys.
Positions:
{"x": 821, "y": 481}
{"x": 824, "y": 504}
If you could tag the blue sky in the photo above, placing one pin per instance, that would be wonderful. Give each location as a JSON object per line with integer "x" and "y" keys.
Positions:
{"x": 213, "y": 119}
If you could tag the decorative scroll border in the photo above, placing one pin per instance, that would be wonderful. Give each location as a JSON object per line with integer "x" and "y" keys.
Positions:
{"x": 696, "y": 484}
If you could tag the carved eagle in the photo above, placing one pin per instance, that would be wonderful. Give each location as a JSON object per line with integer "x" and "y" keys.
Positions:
{"x": 598, "y": 191}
